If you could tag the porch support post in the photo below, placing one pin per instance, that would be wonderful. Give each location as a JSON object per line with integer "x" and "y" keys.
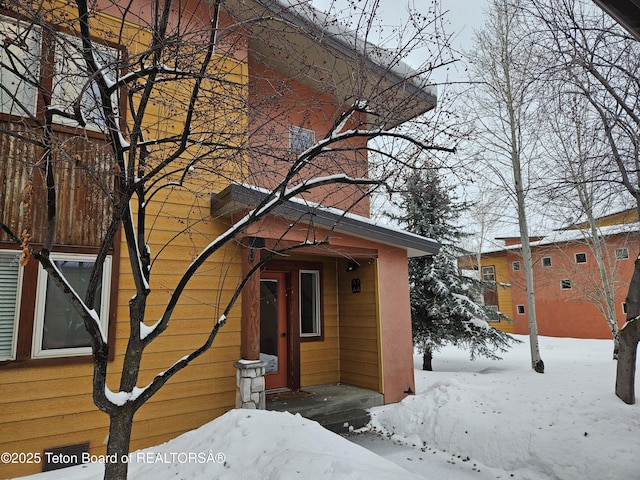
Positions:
{"x": 395, "y": 324}
{"x": 250, "y": 328}
{"x": 250, "y": 391}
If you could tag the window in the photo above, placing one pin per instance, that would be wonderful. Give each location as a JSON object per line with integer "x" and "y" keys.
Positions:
{"x": 20, "y": 64}
{"x": 69, "y": 68}
{"x": 515, "y": 266}
{"x": 10, "y": 287}
{"x": 488, "y": 274}
{"x": 300, "y": 139}
{"x": 492, "y": 313}
{"x": 310, "y": 303}
{"x": 546, "y": 261}
{"x": 581, "y": 257}
{"x": 565, "y": 284}
{"x": 520, "y": 309}
{"x": 19, "y": 74}
{"x": 624, "y": 307}
{"x": 59, "y": 329}
{"x": 622, "y": 253}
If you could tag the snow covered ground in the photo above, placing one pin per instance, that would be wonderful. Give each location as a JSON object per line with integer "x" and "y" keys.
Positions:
{"x": 470, "y": 420}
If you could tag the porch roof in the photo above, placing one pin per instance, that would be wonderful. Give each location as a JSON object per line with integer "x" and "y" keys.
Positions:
{"x": 238, "y": 198}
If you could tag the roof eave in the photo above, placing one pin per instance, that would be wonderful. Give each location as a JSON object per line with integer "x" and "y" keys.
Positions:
{"x": 238, "y": 198}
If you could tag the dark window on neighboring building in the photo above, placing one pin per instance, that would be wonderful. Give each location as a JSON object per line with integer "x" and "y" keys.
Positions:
{"x": 565, "y": 284}
{"x": 581, "y": 258}
{"x": 515, "y": 266}
{"x": 520, "y": 309}
{"x": 546, "y": 261}
{"x": 622, "y": 253}
{"x": 624, "y": 307}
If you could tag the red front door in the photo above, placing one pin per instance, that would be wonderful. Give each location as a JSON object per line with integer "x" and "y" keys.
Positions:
{"x": 273, "y": 328}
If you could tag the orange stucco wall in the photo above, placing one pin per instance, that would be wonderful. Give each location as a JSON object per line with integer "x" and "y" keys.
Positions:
{"x": 571, "y": 312}
{"x": 270, "y": 116}
{"x": 395, "y": 324}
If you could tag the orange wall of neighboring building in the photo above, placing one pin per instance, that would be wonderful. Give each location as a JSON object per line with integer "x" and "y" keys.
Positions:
{"x": 570, "y": 312}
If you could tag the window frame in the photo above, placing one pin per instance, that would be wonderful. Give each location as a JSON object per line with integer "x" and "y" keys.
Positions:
{"x": 46, "y": 59}
{"x": 295, "y": 145}
{"x": 17, "y": 303}
{"x": 37, "y": 351}
{"x": 494, "y": 310}
{"x": 515, "y": 266}
{"x": 624, "y": 307}
{"x": 582, "y": 255}
{"x": 317, "y": 321}
{"x": 520, "y": 310}
{"x": 622, "y": 249}
{"x": 61, "y": 79}
{"x": 546, "y": 260}
{"x": 35, "y": 35}
{"x": 493, "y": 273}
{"x": 566, "y": 284}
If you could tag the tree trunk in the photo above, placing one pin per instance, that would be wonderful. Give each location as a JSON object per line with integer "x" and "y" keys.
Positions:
{"x": 427, "y": 356}
{"x": 118, "y": 445}
{"x": 628, "y": 337}
{"x": 626, "y": 369}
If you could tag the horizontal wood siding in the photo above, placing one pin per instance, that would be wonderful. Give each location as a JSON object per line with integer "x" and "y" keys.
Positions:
{"x": 320, "y": 360}
{"x": 359, "y": 343}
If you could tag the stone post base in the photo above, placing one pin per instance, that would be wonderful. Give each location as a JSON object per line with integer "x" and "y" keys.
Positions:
{"x": 250, "y": 384}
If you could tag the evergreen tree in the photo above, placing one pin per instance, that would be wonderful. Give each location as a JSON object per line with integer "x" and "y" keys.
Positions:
{"x": 444, "y": 308}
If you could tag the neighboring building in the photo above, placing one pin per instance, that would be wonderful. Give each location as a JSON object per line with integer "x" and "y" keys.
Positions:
{"x": 343, "y": 310}
{"x": 566, "y": 278}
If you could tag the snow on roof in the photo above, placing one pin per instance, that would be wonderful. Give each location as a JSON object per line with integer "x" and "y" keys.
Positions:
{"x": 239, "y": 196}
{"x": 573, "y": 235}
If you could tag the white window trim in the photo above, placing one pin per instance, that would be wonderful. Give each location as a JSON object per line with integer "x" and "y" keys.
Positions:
{"x": 518, "y": 308}
{"x": 60, "y": 79}
{"x": 493, "y": 273}
{"x": 623, "y": 249}
{"x": 41, "y": 293}
{"x": 35, "y": 36}
{"x": 16, "y": 315}
{"x": 293, "y": 129}
{"x": 575, "y": 257}
{"x": 317, "y": 322}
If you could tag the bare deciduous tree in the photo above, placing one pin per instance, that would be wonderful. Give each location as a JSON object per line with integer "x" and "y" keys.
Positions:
{"x": 505, "y": 104}
{"x": 601, "y": 63}
{"x": 149, "y": 110}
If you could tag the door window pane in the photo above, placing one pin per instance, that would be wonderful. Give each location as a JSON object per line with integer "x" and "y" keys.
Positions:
{"x": 269, "y": 324}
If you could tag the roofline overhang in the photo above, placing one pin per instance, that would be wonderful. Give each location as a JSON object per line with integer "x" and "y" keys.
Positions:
{"x": 238, "y": 198}
{"x": 625, "y": 12}
{"x": 395, "y": 92}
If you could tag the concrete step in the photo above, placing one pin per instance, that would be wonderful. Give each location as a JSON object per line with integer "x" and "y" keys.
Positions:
{"x": 340, "y": 422}
{"x": 324, "y": 400}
